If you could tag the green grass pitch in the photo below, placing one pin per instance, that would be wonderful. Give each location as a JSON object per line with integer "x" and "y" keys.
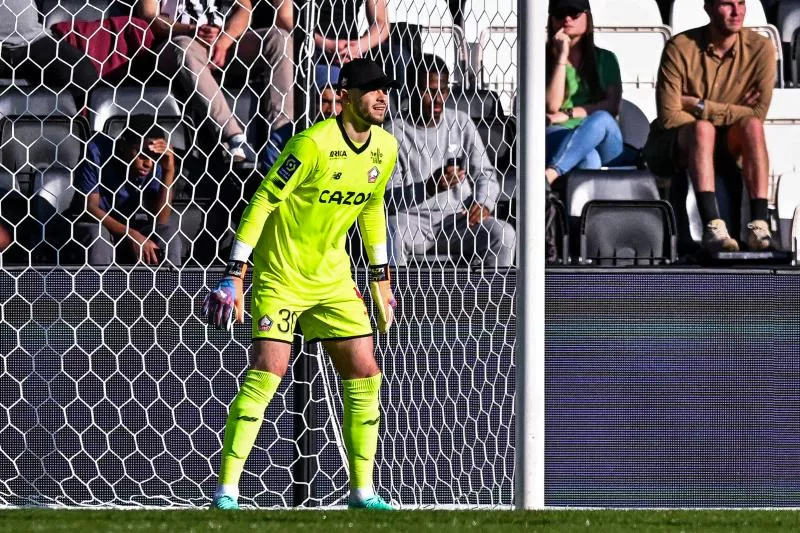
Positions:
{"x": 555, "y": 521}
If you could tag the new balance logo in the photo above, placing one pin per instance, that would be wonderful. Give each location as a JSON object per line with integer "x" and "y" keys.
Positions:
{"x": 372, "y": 422}
{"x": 337, "y": 175}
{"x": 247, "y": 418}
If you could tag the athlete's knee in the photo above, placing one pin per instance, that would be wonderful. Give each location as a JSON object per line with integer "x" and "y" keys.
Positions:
{"x": 270, "y": 356}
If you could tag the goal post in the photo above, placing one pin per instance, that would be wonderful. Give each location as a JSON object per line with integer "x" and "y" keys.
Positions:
{"x": 530, "y": 359}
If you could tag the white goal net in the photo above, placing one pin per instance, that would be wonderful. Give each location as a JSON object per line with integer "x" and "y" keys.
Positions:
{"x": 113, "y": 390}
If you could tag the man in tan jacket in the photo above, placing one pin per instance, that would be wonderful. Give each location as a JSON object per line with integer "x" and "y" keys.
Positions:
{"x": 714, "y": 89}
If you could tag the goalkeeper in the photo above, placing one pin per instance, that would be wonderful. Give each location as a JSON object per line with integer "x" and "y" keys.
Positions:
{"x": 296, "y": 224}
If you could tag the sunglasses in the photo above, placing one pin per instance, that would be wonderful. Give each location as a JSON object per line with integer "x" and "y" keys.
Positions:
{"x": 570, "y": 12}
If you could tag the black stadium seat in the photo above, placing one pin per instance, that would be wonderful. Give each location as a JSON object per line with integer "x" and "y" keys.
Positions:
{"x": 39, "y": 102}
{"x": 627, "y": 233}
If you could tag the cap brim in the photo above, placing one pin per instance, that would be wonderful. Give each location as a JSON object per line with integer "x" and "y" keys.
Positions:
{"x": 379, "y": 83}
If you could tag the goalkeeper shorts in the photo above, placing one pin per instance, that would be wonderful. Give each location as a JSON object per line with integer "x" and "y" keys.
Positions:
{"x": 339, "y": 314}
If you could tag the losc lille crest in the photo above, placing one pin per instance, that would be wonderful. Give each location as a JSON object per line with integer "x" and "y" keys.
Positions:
{"x": 264, "y": 323}
{"x": 372, "y": 175}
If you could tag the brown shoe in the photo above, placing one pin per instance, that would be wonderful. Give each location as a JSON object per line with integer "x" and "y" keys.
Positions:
{"x": 758, "y": 236}
{"x": 717, "y": 239}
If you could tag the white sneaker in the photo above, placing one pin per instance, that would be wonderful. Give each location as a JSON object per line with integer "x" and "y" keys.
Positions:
{"x": 758, "y": 236}
{"x": 240, "y": 150}
{"x": 717, "y": 239}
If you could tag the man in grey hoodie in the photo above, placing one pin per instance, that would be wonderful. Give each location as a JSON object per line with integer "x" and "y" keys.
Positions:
{"x": 444, "y": 189}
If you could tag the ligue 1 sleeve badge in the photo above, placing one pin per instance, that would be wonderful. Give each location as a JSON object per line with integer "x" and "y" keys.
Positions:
{"x": 373, "y": 174}
{"x": 264, "y": 323}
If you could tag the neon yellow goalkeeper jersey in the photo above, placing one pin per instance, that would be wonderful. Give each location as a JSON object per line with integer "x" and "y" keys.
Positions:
{"x": 297, "y": 221}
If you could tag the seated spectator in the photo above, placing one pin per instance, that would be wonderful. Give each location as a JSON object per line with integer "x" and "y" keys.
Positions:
{"x": 337, "y": 39}
{"x": 31, "y": 53}
{"x": 208, "y": 36}
{"x": 324, "y": 104}
{"x": 584, "y": 91}
{"x": 126, "y": 187}
{"x": 444, "y": 188}
{"x": 713, "y": 93}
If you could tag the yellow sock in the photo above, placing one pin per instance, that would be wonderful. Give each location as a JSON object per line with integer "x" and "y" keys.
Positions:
{"x": 244, "y": 420}
{"x": 360, "y": 427}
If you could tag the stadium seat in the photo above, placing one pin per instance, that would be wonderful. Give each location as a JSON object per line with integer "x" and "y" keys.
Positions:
{"x": 627, "y": 233}
{"x": 423, "y": 13}
{"x": 39, "y": 102}
{"x": 788, "y": 21}
{"x": 634, "y": 124}
{"x": 60, "y": 10}
{"x": 787, "y": 200}
{"x": 31, "y": 143}
{"x": 110, "y": 109}
{"x": 482, "y": 14}
{"x": 625, "y": 13}
{"x": 643, "y": 98}
{"x": 638, "y": 50}
{"x": 584, "y": 186}
{"x": 498, "y": 62}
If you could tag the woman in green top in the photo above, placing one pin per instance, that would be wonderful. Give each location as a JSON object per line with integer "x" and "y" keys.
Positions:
{"x": 584, "y": 91}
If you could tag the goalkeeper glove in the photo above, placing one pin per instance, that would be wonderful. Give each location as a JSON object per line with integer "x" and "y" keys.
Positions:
{"x": 228, "y": 297}
{"x": 381, "y": 290}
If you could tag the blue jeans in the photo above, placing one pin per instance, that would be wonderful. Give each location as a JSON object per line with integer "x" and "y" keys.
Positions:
{"x": 596, "y": 142}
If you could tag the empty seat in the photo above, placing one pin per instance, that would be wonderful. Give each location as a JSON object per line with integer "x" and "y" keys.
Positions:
{"x": 625, "y": 13}
{"x": 41, "y": 102}
{"x": 796, "y": 237}
{"x": 627, "y": 233}
{"x": 788, "y": 19}
{"x": 62, "y": 10}
{"x": 584, "y": 186}
{"x": 498, "y": 62}
{"x": 424, "y": 13}
{"x": 787, "y": 200}
{"x": 643, "y": 98}
{"x": 482, "y": 14}
{"x": 29, "y": 143}
{"x": 638, "y": 50}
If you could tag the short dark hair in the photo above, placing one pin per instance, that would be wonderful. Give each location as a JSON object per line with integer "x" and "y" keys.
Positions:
{"x": 423, "y": 66}
{"x": 141, "y": 127}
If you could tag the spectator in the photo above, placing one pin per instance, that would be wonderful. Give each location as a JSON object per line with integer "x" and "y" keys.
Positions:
{"x": 338, "y": 41}
{"x": 208, "y": 36}
{"x": 444, "y": 188}
{"x": 713, "y": 92}
{"x": 127, "y": 186}
{"x": 584, "y": 91}
{"x": 324, "y": 104}
{"x": 31, "y": 53}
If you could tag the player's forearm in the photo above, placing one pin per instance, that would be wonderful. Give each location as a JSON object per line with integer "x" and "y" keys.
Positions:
{"x": 372, "y": 223}
{"x": 254, "y": 217}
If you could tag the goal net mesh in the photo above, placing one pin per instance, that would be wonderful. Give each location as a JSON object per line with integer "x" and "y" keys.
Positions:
{"x": 114, "y": 391}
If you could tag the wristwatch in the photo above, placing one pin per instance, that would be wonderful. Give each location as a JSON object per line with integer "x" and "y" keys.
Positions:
{"x": 569, "y": 112}
{"x": 699, "y": 107}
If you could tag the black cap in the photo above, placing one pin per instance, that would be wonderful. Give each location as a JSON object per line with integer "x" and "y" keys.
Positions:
{"x": 567, "y": 5}
{"x": 363, "y": 73}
